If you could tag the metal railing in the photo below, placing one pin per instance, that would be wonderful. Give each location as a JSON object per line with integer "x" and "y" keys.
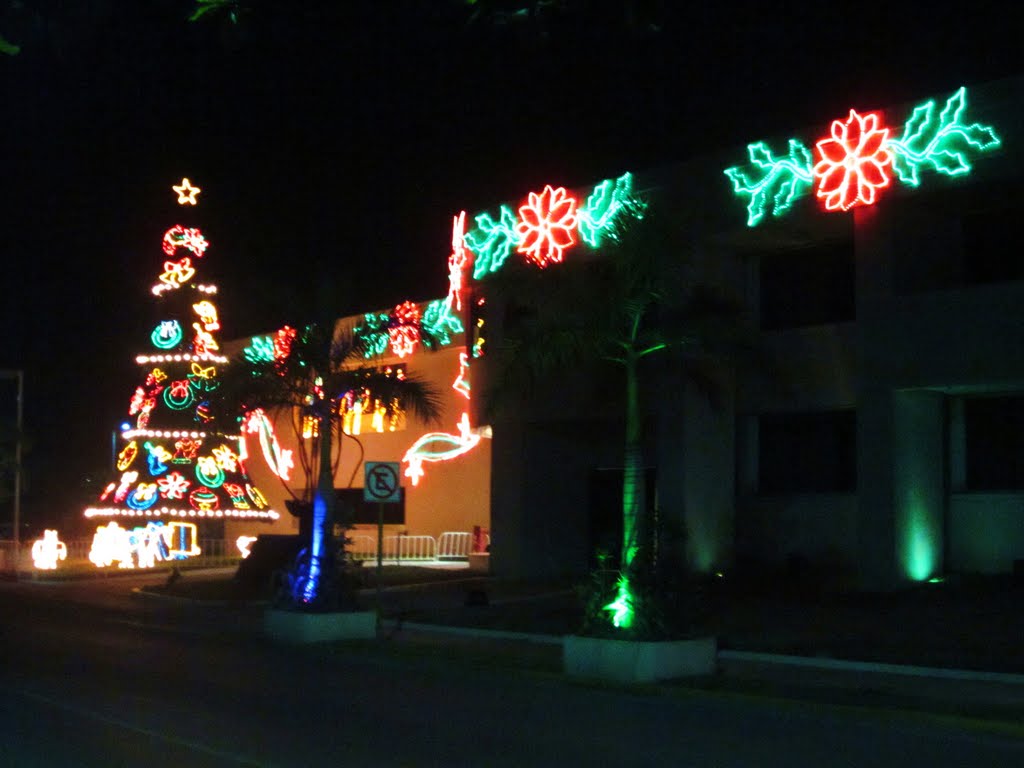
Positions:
{"x": 451, "y": 545}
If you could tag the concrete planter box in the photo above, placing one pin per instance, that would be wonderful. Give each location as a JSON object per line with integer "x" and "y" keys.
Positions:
{"x": 480, "y": 562}
{"x": 299, "y": 627}
{"x": 636, "y": 661}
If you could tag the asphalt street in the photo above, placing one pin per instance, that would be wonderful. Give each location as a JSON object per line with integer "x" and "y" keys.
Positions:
{"x": 91, "y": 677}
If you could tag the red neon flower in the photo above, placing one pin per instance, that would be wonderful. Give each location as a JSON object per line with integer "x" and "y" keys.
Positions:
{"x": 546, "y": 224}
{"x": 853, "y": 162}
{"x": 404, "y": 330}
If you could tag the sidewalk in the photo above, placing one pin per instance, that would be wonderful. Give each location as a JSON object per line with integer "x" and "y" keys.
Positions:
{"x": 956, "y": 650}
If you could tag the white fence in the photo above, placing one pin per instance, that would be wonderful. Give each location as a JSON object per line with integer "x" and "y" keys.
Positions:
{"x": 452, "y": 545}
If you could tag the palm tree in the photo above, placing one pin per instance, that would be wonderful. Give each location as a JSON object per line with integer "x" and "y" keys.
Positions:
{"x": 305, "y": 382}
{"x": 637, "y": 302}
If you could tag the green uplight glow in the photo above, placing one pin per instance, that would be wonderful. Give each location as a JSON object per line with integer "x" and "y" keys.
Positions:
{"x": 939, "y": 143}
{"x": 919, "y": 556}
{"x": 621, "y": 607}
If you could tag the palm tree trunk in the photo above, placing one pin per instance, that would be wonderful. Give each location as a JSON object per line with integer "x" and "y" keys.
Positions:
{"x": 321, "y": 550}
{"x": 633, "y": 485}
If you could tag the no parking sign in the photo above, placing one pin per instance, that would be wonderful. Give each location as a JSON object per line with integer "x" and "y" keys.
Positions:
{"x": 381, "y": 483}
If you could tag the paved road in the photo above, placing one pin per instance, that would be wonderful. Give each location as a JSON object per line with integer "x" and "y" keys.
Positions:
{"x": 117, "y": 683}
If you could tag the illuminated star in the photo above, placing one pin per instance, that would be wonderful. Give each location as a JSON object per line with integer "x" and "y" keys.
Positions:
{"x": 186, "y": 192}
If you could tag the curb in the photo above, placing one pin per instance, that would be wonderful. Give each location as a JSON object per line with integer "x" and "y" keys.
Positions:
{"x": 840, "y": 665}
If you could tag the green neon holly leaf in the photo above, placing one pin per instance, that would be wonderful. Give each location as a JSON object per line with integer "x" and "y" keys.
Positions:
{"x": 440, "y": 322}
{"x": 492, "y": 241}
{"x": 373, "y": 333}
{"x": 940, "y": 145}
{"x": 783, "y": 181}
{"x": 603, "y": 206}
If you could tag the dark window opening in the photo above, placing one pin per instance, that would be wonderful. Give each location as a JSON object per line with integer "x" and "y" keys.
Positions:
{"x": 991, "y": 253}
{"x": 807, "y": 452}
{"x": 809, "y": 286}
{"x": 994, "y": 428}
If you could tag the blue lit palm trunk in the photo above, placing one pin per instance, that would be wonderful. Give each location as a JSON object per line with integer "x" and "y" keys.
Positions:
{"x": 315, "y": 586}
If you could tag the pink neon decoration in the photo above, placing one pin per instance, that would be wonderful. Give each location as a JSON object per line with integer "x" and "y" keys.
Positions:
{"x": 853, "y": 163}
{"x": 546, "y": 225}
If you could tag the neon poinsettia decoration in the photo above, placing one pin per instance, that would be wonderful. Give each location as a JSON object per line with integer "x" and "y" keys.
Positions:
{"x": 860, "y": 158}
{"x": 854, "y": 162}
{"x": 546, "y": 225}
{"x": 404, "y": 331}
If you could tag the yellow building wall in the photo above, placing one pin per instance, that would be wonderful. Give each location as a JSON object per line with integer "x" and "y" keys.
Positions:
{"x": 451, "y": 495}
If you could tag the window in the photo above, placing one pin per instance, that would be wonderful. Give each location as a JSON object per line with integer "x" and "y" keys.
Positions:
{"x": 808, "y": 286}
{"x": 994, "y": 430}
{"x": 807, "y": 452}
{"x": 991, "y": 253}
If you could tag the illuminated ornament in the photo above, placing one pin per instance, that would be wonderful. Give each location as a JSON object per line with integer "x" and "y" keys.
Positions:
{"x": 127, "y": 456}
{"x": 461, "y": 384}
{"x": 186, "y": 192}
{"x": 621, "y": 609}
{"x": 203, "y": 414}
{"x": 278, "y": 459}
{"x": 158, "y": 458}
{"x": 439, "y": 322}
{"x": 439, "y": 446}
{"x": 203, "y": 499}
{"x": 237, "y": 495}
{"x": 203, "y": 378}
{"x": 127, "y": 479}
{"x": 492, "y": 241}
{"x": 178, "y": 396}
{"x": 777, "y": 181}
{"x": 207, "y": 315}
{"x": 173, "y": 486}
{"x": 181, "y": 540}
{"x": 546, "y": 225}
{"x": 175, "y": 274}
{"x": 155, "y": 377}
{"x": 204, "y": 343}
{"x": 226, "y": 458}
{"x": 257, "y": 498}
{"x": 854, "y": 162}
{"x": 260, "y": 349}
{"x": 244, "y": 543}
{"x": 208, "y": 472}
{"x": 283, "y": 342}
{"x": 107, "y": 491}
{"x": 48, "y": 550}
{"x": 941, "y": 143}
{"x": 603, "y": 206}
{"x": 111, "y": 544}
{"x": 372, "y": 333}
{"x": 404, "y": 331}
{"x": 185, "y": 450}
{"x": 148, "y": 544}
{"x": 167, "y": 335}
{"x": 181, "y": 237}
{"x": 457, "y": 262}
{"x": 143, "y": 497}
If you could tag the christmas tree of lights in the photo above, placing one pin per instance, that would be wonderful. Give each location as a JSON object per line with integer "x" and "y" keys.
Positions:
{"x": 175, "y": 461}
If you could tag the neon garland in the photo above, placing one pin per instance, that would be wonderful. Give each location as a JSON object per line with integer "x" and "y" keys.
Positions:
{"x": 403, "y": 330}
{"x": 858, "y": 158}
{"x": 457, "y": 262}
{"x": 440, "y": 322}
{"x": 439, "y": 446}
{"x": 279, "y": 460}
{"x": 492, "y": 241}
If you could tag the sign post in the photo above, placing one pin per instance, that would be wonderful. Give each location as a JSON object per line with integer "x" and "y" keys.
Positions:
{"x": 381, "y": 484}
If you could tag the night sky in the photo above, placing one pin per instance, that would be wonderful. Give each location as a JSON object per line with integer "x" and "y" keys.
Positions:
{"x": 338, "y": 139}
